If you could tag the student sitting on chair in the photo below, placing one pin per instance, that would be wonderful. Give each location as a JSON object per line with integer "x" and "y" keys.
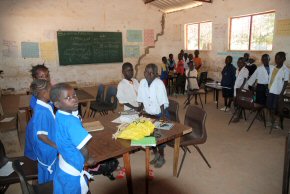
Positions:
{"x": 128, "y": 88}
{"x": 152, "y": 94}
{"x": 191, "y": 81}
{"x": 71, "y": 141}
{"x": 277, "y": 84}
{"x": 43, "y": 125}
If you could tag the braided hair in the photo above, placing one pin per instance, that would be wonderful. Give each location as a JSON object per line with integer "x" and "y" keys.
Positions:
{"x": 36, "y": 68}
{"x": 39, "y": 85}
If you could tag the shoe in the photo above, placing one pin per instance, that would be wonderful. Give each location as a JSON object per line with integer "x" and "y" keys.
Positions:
{"x": 121, "y": 173}
{"x": 227, "y": 109}
{"x": 160, "y": 162}
{"x": 156, "y": 157}
{"x": 223, "y": 108}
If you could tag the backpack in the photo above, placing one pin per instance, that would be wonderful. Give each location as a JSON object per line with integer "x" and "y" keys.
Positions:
{"x": 106, "y": 168}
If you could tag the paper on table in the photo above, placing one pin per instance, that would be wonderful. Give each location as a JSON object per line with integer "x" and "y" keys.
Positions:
{"x": 7, "y": 169}
{"x": 7, "y": 119}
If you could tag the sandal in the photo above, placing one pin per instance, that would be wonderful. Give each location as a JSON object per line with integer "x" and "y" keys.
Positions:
{"x": 156, "y": 157}
{"x": 160, "y": 162}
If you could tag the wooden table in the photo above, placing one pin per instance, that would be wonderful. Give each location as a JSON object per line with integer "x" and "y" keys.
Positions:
{"x": 86, "y": 98}
{"x": 216, "y": 88}
{"x": 103, "y": 147}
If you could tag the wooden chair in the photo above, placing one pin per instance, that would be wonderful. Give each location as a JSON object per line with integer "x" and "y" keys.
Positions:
{"x": 173, "y": 110}
{"x": 286, "y": 171}
{"x": 46, "y": 188}
{"x": 194, "y": 117}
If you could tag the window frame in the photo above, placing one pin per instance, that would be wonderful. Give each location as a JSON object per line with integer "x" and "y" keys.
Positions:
{"x": 198, "y": 34}
{"x": 251, "y": 26}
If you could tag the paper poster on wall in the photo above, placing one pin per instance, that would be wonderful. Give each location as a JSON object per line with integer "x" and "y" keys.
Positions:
{"x": 235, "y": 55}
{"x": 134, "y": 36}
{"x": 132, "y": 51}
{"x": 10, "y": 48}
{"x": 30, "y": 49}
{"x": 149, "y": 37}
{"x": 48, "y": 51}
{"x": 283, "y": 27}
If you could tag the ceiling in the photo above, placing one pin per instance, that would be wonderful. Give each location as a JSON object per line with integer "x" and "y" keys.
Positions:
{"x": 169, "y": 6}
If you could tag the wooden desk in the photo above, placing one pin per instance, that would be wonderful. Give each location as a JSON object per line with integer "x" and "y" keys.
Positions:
{"x": 103, "y": 147}
{"x": 86, "y": 98}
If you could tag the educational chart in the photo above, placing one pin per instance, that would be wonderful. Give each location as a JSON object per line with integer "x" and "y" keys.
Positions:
{"x": 235, "y": 55}
{"x": 134, "y": 36}
{"x": 89, "y": 47}
{"x": 10, "y": 48}
{"x": 30, "y": 49}
{"x": 149, "y": 37}
{"x": 132, "y": 51}
{"x": 48, "y": 51}
{"x": 283, "y": 27}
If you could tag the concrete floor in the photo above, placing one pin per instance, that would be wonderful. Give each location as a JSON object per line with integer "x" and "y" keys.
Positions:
{"x": 242, "y": 162}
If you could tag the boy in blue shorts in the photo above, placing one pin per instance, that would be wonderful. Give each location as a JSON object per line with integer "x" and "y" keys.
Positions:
{"x": 71, "y": 141}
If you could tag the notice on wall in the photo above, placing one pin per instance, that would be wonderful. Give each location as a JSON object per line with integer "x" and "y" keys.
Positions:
{"x": 10, "y": 48}
{"x": 149, "y": 37}
{"x": 134, "y": 36}
{"x": 235, "y": 55}
{"x": 283, "y": 27}
{"x": 30, "y": 49}
{"x": 132, "y": 51}
{"x": 48, "y": 51}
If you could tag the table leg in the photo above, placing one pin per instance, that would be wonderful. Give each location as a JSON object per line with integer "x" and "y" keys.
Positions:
{"x": 127, "y": 165}
{"x": 87, "y": 109}
{"x": 217, "y": 98}
{"x": 147, "y": 158}
{"x": 176, "y": 155}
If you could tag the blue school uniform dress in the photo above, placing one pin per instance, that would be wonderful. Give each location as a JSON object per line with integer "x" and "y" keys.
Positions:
{"x": 71, "y": 137}
{"x": 43, "y": 122}
{"x": 28, "y": 150}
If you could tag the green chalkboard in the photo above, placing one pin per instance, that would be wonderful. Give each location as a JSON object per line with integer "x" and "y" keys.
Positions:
{"x": 89, "y": 47}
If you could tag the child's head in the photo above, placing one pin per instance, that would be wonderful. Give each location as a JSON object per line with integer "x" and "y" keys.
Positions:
{"x": 171, "y": 56}
{"x": 164, "y": 60}
{"x": 251, "y": 60}
{"x": 190, "y": 56}
{"x": 40, "y": 72}
{"x": 265, "y": 59}
{"x": 64, "y": 97}
{"x": 180, "y": 56}
{"x": 185, "y": 56}
{"x": 246, "y": 56}
{"x": 280, "y": 57}
{"x": 228, "y": 60}
{"x": 191, "y": 66}
{"x": 127, "y": 70}
{"x": 241, "y": 62}
{"x": 151, "y": 72}
{"x": 196, "y": 53}
{"x": 40, "y": 88}
{"x": 182, "y": 52}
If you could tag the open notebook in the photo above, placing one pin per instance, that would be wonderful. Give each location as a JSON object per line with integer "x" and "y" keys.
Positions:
{"x": 93, "y": 126}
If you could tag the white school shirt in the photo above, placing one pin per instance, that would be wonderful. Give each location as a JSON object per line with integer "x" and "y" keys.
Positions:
{"x": 261, "y": 75}
{"x": 127, "y": 92}
{"x": 152, "y": 97}
{"x": 278, "y": 83}
{"x": 240, "y": 76}
{"x": 192, "y": 81}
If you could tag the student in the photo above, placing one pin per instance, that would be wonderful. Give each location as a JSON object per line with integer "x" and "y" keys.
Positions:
{"x": 191, "y": 81}
{"x": 242, "y": 75}
{"x": 261, "y": 75}
{"x": 43, "y": 124}
{"x": 180, "y": 80}
{"x": 171, "y": 64}
{"x": 71, "y": 141}
{"x": 128, "y": 88}
{"x": 186, "y": 60}
{"x": 152, "y": 94}
{"x": 164, "y": 71}
{"x": 278, "y": 81}
{"x": 251, "y": 66}
{"x": 246, "y": 58}
{"x": 197, "y": 60}
{"x": 228, "y": 82}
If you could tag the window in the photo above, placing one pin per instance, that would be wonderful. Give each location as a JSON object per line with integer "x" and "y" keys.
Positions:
{"x": 252, "y": 32}
{"x": 198, "y": 36}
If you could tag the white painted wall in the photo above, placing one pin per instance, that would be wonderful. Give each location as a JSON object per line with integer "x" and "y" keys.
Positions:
{"x": 38, "y": 21}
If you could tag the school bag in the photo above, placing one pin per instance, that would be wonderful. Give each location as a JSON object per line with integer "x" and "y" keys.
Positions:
{"x": 106, "y": 168}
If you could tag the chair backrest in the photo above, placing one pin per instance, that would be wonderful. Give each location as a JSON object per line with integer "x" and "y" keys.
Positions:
{"x": 3, "y": 158}
{"x": 202, "y": 78}
{"x": 101, "y": 93}
{"x": 25, "y": 187}
{"x": 111, "y": 97}
{"x": 244, "y": 99}
{"x": 173, "y": 110}
{"x": 195, "y": 117}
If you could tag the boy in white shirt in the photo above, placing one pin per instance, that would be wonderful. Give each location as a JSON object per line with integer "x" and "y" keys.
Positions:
{"x": 277, "y": 83}
{"x": 128, "y": 88}
{"x": 153, "y": 96}
{"x": 191, "y": 81}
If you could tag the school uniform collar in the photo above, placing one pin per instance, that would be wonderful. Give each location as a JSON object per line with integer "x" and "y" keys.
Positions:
{"x": 66, "y": 113}
{"x": 46, "y": 105}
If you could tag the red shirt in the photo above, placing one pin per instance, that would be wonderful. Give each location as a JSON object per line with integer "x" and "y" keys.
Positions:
{"x": 180, "y": 67}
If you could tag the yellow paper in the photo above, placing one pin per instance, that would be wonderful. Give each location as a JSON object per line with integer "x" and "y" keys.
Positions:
{"x": 283, "y": 27}
{"x": 48, "y": 51}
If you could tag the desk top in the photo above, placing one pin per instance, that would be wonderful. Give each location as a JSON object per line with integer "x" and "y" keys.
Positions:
{"x": 83, "y": 96}
{"x": 214, "y": 85}
{"x": 103, "y": 147}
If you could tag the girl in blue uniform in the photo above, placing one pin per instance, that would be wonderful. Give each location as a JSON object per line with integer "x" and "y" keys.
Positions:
{"x": 43, "y": 125}
{"x": 71, "y": 141}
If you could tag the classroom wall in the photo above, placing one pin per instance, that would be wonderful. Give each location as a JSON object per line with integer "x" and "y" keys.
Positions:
{"x": 38, "y": 21}
{"x": 218, "y": 12}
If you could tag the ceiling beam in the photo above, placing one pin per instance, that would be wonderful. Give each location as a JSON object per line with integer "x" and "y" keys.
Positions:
{"x": 148, "y": 1}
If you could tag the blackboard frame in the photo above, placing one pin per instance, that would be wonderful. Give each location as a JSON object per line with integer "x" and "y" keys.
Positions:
{"x": 85, "y": 47}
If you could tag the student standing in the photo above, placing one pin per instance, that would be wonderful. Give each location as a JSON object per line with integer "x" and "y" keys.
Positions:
{"x": 191, "y": 81}
{"x": 197, "y": 60}
{"x": 71, "y": 141}
{"x": 128, "y": 88}
{"x": 228, "y": 82}
{"x": 43, "y": 124}
{"x": 164, "y": 71}
{"x": 242, "y": 74}
{"x": 261, "y": 75}
{"x": 180, "y": 80}
{"x": 152, "y": 94}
